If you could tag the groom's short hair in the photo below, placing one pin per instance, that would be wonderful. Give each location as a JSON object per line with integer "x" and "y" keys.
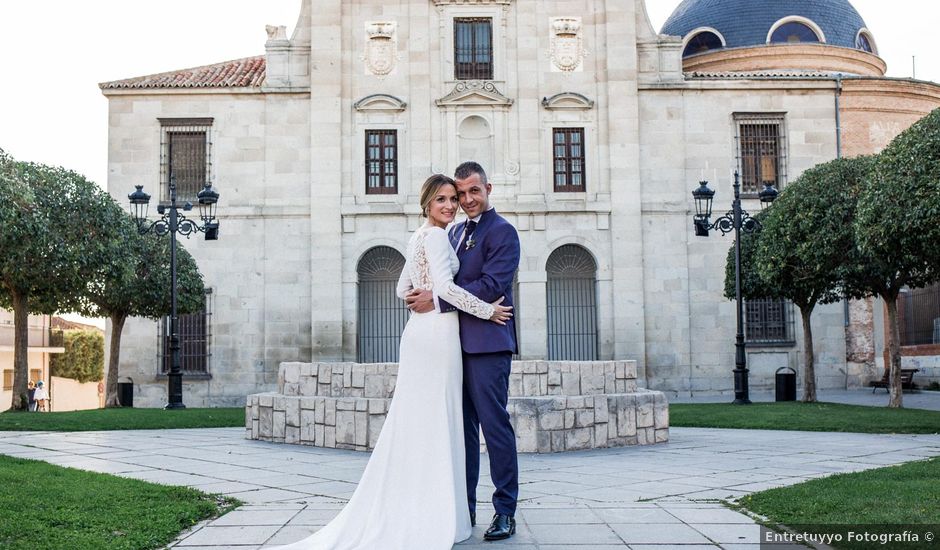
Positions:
{"x": 469, "y": 168}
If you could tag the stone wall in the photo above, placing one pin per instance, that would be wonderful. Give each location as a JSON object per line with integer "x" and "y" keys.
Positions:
{"x": 554, "y": 406}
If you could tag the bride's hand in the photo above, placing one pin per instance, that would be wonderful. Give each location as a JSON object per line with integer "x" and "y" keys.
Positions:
{"x": 501, "y": 314}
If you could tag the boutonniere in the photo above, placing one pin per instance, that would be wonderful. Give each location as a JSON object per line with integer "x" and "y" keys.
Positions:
{"x": 470, "y": 243}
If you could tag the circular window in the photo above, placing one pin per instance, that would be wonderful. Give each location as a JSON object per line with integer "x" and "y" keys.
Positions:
{"x": 793, "y": 32}
{"x": 701, "y": 43}
{"x": 863, "y": 42}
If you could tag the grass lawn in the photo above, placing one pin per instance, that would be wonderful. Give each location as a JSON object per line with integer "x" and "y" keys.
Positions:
{"x": 47, "y": 506}
{"x": 905, "y": 495}
{"x": 121, "y": 419}
{"x": 814, "y": 417}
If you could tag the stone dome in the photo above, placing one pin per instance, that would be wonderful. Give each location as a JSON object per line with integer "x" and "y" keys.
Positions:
{"x": 748, "y": 23}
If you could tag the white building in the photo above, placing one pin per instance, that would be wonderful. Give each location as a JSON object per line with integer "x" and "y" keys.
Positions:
{"x": 593, "y": 129}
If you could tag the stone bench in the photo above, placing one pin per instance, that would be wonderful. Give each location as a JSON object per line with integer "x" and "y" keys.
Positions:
{"x": 554, "y": 406}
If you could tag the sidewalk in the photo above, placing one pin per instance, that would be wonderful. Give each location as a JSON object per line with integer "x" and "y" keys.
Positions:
{"x": 920, "y": 399}
{"x": 653, "y": 497}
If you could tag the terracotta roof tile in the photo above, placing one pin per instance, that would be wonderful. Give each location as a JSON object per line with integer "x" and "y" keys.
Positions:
{"x": 240, "y": 73}
{"x": 740, "y": 75}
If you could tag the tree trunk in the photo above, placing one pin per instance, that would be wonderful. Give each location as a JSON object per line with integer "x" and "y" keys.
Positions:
{"x": 894, "y": 353}
{"x": 111, "y": 391}
{"x": 809, "y": 358}
{"x": 20, "y": 349}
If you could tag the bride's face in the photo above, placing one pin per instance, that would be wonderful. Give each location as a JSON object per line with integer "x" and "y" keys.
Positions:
{"x": 443, "y": 206}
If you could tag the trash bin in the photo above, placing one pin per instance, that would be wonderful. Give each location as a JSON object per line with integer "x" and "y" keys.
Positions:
{"x": 126, "y": 393}
{"x": 786, "y": 384}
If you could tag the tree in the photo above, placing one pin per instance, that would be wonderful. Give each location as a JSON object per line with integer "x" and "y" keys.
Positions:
{"x": 83, "y": 359}
{"x": 897, "y": 227}
{"x": 137, "y": 284}
{"x": 57, "y": 227}
{"x": 803, "y": 247}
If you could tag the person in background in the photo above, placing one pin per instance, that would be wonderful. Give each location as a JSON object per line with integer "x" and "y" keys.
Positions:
{"x": 30, "y": 396}
{"x": 40, "y": 396}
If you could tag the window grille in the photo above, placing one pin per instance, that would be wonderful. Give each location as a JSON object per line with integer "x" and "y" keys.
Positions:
{"x": 568, "y": 153}
{"x": 571, "y": 292}
{"x": 473, "y": 48}
{"x": 382, "y": 316}
{"x": 381, "y": 162}
{"x": 919, "y": 315}
{"x": 769, "y": 321}
{"x": 760, "y": 152}
{"x": 195, "y": 334}
{"x": 186, "y": 156}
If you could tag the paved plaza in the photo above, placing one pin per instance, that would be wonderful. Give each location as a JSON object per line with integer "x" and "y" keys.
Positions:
{"x": 659, "y": 496}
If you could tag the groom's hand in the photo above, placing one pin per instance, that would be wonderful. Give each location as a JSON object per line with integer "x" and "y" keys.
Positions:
{"x": 420, "y": 301}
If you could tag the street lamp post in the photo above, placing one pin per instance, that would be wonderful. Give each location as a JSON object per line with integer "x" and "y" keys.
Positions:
{"x": 736, "y": 220}
{"x": 172, "y": 222}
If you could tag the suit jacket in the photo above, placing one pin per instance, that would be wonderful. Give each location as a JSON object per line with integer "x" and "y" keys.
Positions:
{"x": 486, "y": 271}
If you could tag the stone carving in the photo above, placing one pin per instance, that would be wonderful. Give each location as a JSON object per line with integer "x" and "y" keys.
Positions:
{"x": 380, "y": 102}
{"x": 567, "y": 101}
{"x": 474, "y": 92}
{"x": 381, "y": 50}
{"x": 276, "y": 32}
{"x": 512, "y": 168}
{"x": 567, "y": 46}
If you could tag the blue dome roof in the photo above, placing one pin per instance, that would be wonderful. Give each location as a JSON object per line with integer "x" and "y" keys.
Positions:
{"x": 747, "y": 22}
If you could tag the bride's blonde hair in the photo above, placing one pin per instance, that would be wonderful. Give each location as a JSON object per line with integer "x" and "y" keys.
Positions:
{"x": 429, "y": 190}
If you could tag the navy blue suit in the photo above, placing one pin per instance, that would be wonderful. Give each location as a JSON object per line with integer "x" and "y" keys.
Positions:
{"x": 487, "y": 268}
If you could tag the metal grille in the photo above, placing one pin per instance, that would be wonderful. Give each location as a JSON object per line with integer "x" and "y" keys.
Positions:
{"x": 382, "y": 316}
{"x": 381, "y": 162}
{"x": 195, "y": 334}
{"x": 571, "y": 293}
{"x": 473, "y": 48}
{"x": 919, "y": 316}
{"x": 568, "y": 152}
{"x": 760, "y": 152}
{"x": 185, "y": 154}
{"x": 768, "y": 321}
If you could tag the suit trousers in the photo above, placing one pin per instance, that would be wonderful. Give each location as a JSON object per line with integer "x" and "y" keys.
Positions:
{"x": 485, "y": 396}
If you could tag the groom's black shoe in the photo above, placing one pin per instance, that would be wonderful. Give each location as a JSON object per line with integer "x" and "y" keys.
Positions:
{"x": 473, "y": 519}
{"x": 503, "y": 527}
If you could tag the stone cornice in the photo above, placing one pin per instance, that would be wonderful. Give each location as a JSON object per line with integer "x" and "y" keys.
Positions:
{"x": 474, "y": 93}
{"x": 470, "y": 2}
{"x": 567, "y": 101}
{"x": 380, "y": 102}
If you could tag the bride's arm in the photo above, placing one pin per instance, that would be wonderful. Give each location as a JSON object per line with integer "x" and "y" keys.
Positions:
{"x": 404, "y": 281}
{"x": 438, "y": 251}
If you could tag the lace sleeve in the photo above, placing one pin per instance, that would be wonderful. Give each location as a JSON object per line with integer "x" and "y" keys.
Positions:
{"x": 438, "y": 251}
{"x": 404, "y": 280}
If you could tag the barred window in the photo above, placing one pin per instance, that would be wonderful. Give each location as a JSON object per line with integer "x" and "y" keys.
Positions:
{"x": 194, "y": 331}
{"x": 768, "y": 321}
{"x": 571, "y": 299}
{"x": 382, "y": 316}
{"x": 761, "y": 151}
{"x": 381, "y": 162}
{"x": 919, "y": 315}
{"x": 473, "y": 48}
{"x": 185, "y": 155}
{"x": 568, "y": 153}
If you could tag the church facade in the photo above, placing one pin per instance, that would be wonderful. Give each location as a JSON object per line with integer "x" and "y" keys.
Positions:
{"x": 593, "y": 129}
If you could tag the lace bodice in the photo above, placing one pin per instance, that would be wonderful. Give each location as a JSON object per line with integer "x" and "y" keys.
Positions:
{"x": 431, "y": 265}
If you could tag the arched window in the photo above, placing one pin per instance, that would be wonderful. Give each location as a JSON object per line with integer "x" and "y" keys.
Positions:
{"x": 382, "y": 316}
{"x": 572, "y": 304}
{"x": 702, "y": 42}
{"x": 865, "y": 42}
{"x": 795, "y": 32}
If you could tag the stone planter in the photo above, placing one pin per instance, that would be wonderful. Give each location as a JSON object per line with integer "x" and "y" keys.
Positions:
{"x": 554, "y": 405}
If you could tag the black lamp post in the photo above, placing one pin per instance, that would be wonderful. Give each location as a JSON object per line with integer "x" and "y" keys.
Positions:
{"x": 736, "y": 220}
{"x": 173, "y": 222}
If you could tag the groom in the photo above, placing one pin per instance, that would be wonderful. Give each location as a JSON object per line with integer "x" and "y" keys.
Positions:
{"x": 488, "y": 248}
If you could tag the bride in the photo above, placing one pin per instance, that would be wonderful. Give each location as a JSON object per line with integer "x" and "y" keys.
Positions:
{"x": 413, "y": 493}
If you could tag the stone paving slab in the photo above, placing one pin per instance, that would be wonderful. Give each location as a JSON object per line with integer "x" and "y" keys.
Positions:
{"x": 652, "y": 497}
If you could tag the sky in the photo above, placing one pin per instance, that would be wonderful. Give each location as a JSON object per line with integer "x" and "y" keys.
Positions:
{"x": 55, "y": 52}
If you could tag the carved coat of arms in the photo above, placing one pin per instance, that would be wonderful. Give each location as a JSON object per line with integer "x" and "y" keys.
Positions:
{"x": 567, "y": 47}
{"x": 381, "y": 52}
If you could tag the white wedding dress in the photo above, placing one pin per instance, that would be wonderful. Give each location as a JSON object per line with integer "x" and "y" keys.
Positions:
{"x": 413, "y": 493}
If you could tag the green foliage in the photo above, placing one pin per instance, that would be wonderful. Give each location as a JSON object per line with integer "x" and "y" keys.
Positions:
{"x": 137, "y": 281}
{"x": 83, "y": 359}
{"x": 752, "y": 286}
{"x": 123, "y": 419}
{"x": 807, "y": 417}
{"x": 47, "y": 506}
{"x": 808, "y": 235}
{"x": 899, "y": 208}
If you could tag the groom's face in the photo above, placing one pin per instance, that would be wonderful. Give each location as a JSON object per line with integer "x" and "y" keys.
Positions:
{"x": 474, "y": 195}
